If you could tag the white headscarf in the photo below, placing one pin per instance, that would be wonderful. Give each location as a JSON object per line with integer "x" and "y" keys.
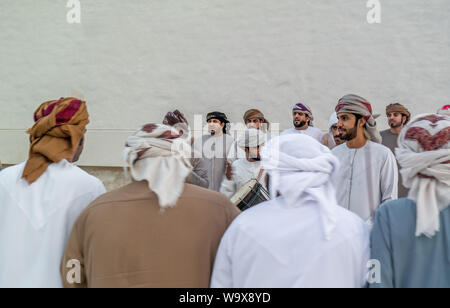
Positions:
{"x": 301, "y": 173}
{"x": 252, "y": 138}
{"x": 160, "y": 155}
{"x": 424, "y": 146}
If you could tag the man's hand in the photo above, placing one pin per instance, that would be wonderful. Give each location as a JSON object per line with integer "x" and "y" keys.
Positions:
{"x": 229, "y": 170}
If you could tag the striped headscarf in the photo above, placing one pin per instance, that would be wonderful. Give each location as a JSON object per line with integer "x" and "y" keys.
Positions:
{"x": 56, "y": 134}
{"x": 305, "y": 109}
{"x": 357, "y": 105}
{"x": 160, "y": 155}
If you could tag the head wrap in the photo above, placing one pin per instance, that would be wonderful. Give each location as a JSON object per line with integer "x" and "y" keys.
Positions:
{"x": 177, "y": 120}
{"x": 256, "y": 114}
{"x": 305, "y": 109}
{"x": 444, "y": 110}
{"x": 397, "y": 107}
{"x": 158, "y": 154}
{"x": 357, "y": 105}
{"x": 423, "y": 154}
{"x": 303, "y": 173}
{"x": 217, "y": 115}
{"x": 252, "y": 138}
{"x": 56, "y": 134}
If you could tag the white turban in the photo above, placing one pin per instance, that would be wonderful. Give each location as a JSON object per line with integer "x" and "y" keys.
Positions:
{"x": 160, "y": 155}
{"x": 252, "y": 138}
{"x": 423, "y": 154}
{"x": 305, "y": 172}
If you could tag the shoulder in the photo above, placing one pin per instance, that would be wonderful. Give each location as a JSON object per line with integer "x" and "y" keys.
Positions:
{"x": 82, "y": 177}
{"x": 288, "y": 131}
{"x": 396, "y": 209}
{"x": 339, "y": 149}
{"x": 380, "y": 149}
{"x": 11, "y": 175}
{"x": 352, "y": 223}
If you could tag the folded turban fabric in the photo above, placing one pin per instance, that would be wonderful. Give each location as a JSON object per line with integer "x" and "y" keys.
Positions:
{"x": 252, "y": 138}
{"x": 305, "y": 109}
{"x": 423, "y": 154}
{"x": 396, "y": 107}
{"x": 303, "y": 173}
{"x": 160, "y": 155}
{"x": 444, "y": 110}
{"x": 217, "y": 115}
{"x": 357, "y": 105}
{"x": 56, "y": 134}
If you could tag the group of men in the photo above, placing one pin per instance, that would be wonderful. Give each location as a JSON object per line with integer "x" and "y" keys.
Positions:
{"x": 334, "y": 203}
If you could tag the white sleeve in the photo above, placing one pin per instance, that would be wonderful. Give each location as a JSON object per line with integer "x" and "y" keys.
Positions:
{"x": 222, "y": 276}
{"x": 389, "y": 179}
{"x": 228, "y": 187}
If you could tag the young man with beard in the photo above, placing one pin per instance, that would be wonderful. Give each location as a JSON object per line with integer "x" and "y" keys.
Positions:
{"x": 332, "y": 139}
{"x": 369, "y": 174}
{"x": 303, "y": 123}
{"x": 398, "y": 116}
{"x": 215, "y": 148}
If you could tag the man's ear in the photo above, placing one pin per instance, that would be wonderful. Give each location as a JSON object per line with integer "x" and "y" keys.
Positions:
{"x": 362, "y": 122}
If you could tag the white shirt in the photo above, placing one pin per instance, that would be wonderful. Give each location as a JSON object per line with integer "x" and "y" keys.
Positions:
{"x": 243, "y": 171}
{"x": 276, "y": 246}
{"x": 310, "y": 131}
{"x": 36, "y": 221}
{"x": 368, "y": 177}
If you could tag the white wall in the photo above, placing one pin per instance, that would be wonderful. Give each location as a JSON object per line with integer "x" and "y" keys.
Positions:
{"x": 133, "y": 60}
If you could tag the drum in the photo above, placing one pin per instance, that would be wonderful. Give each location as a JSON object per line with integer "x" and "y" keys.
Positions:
{"x": 251, "y": 194}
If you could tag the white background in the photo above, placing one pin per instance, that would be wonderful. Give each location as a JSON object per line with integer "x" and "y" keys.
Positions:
{"x": 134, "y": 60}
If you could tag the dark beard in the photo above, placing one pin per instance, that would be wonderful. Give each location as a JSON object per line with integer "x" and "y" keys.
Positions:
{"x": 350, "y": 135}
{"x": 393, "y": 125}
{"x": 302, "y": 123}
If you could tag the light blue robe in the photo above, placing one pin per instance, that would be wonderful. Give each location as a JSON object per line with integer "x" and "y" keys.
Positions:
{"x": 408, "y": 261}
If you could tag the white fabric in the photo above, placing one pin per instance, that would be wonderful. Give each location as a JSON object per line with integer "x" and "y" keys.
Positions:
{"x": 303, "y": 173}
{"x": 252, "y": 138}
{"x": 432, "y": 195}
{"x": 310, "y": 131}
{"x": 165, "y": 164}
{"x": 332, "y": 121}
{"x": 444, "y": 110}
{"x": 301, "y": 239}
{"x": 243, "y": 171}
{"x": 36, "y": 221}
{"x": 368, "y": 177}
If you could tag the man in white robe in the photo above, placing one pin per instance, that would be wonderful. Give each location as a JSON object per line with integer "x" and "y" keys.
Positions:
{"x": 301, "y": 238}
{"x": 214, "y": 148}
{"x": 40, "y": 199}
{"x": 369, "y": 173}
{"x": 246, "y": 169}
{"x": 303, "y": 123}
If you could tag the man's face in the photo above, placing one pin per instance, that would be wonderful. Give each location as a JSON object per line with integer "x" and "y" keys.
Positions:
{"x": 254, "y": 123}
{"x": 347, "y": 126}
{"x": 300, "y": 119}
{"x": 395, "y": 119}
{"x": 215, "y": 127}
{"x": 335, "y": 132}
{"x": 253, "y": 154}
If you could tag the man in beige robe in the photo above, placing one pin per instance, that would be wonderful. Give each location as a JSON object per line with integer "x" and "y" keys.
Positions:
{"x": 157, "y": 231}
